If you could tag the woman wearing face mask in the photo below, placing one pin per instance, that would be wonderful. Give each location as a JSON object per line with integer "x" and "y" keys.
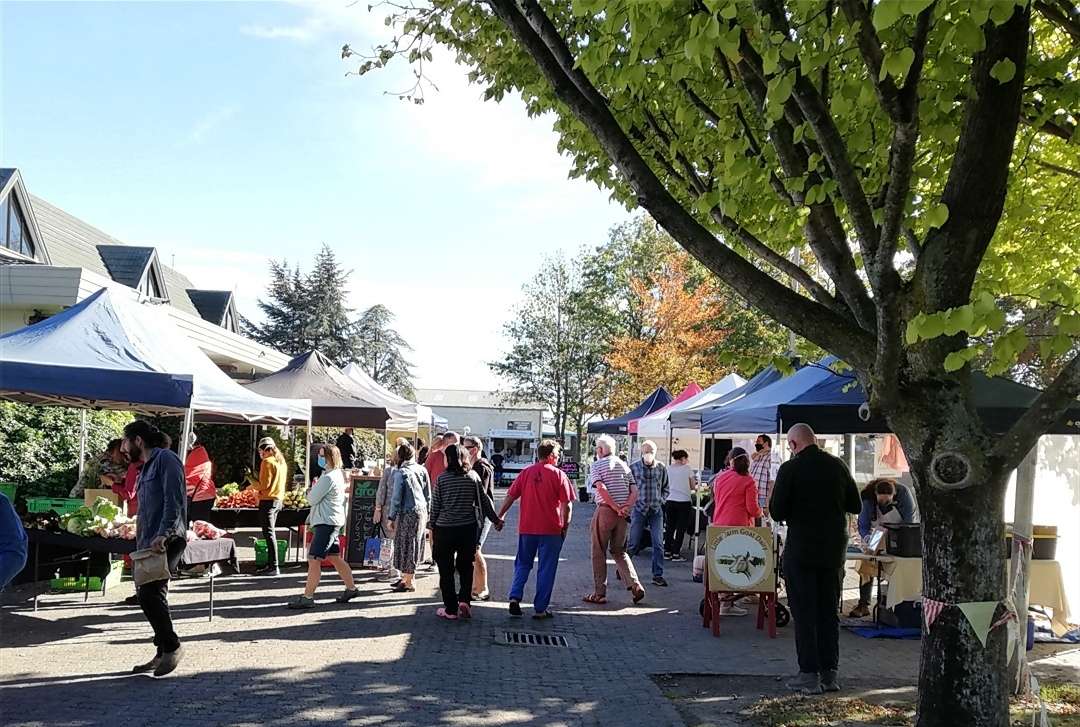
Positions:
{"x": 735, "y": 504}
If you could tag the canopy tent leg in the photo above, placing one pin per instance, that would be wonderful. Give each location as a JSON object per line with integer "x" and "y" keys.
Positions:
{"x": 1020, "y": 565}
{"x": 82, "y": 443}
{"x": 307, "y": 455}
{"x": 185, "y": 434}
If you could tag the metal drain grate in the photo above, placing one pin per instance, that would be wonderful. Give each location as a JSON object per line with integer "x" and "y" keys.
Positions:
{"x": 527, "y": 638}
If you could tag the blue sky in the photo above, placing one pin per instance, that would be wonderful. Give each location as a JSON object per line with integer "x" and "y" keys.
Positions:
{"x": 227, "y": 134}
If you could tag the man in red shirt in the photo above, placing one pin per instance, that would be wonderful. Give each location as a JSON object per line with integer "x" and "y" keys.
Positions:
{"x": 545, "y": 495}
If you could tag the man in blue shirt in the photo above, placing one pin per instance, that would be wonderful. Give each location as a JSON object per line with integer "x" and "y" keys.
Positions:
{"x": 653, "y": 487}
{"x": 12, "y": 542}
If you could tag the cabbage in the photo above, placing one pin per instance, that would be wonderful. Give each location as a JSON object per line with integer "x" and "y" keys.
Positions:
{"x": 75, "y": 524}
{"x": 104, "y": 509}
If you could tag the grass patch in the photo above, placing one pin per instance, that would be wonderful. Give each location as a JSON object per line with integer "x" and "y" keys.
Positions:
{"x": 1062, "y": 705}
{"x": 803, "y": 711}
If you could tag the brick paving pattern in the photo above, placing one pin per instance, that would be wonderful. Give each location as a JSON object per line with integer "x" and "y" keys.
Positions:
{"x": 385, "y": 659}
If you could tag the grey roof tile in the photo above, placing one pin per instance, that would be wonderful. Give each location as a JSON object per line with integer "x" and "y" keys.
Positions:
{"x": 126, "y": 263}
{"x": 211, "y": 304}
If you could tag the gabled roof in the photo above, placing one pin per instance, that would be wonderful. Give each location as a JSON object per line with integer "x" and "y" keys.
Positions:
{"x": 127, "y": 264}
{"x": 11, "y": 186}
{"x": 211, "y": 304}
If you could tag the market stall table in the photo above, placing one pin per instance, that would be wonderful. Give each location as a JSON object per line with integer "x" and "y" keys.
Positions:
{"x": 904, "y": 575}
{"x": 197, "y": 552}
{"x": 291, "y": 519}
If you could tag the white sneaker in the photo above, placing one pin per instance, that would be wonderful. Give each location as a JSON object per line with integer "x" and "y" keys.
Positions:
{"x": 730, "y": 609}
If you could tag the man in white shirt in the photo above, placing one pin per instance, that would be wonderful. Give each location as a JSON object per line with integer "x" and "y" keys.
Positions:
{"x": 678, "y": 512}
{"x": 616, "y": 493}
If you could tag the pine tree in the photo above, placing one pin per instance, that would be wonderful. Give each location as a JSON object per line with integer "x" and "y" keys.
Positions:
{"x": 382, "y": 351}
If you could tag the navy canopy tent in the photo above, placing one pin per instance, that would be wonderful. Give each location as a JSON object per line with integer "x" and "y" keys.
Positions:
{"x": 694, "y": 418}
{"x": 829, "y": 402}
{"x": 656, "y": 400}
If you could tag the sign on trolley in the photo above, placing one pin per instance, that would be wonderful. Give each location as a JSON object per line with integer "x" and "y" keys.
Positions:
{"x": 741, "y": 560}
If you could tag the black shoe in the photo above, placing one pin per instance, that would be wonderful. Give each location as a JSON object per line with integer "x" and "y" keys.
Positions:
{"x": 148, "y": 666}
{"x": 828, "y": 681}
{"x": 348, "y": 595}
{"x": 659, "y": 581}
{"x": 169, "y": 661}
{"x": 132, "y": 600}
{"x": 269, "y": 570}
{"x": 515, "y": 608}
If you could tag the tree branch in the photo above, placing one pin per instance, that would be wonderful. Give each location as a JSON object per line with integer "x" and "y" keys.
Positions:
{"x": 857, "y": 11}
{"x": 1063, "y": 14}
{"x": 1056, "y": 168}
{"x": 978, "y": 178}
{"x": 1047, "y": 410}
{"x": 529, "y": 25}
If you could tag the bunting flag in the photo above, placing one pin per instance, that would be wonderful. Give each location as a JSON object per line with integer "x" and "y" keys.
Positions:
{"x": 931, "y": 610}
{"x": 980, "y": 615}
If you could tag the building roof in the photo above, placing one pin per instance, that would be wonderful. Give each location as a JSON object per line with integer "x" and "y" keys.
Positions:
{"x": 473, "y": 398}
{"x": 73, "y": 243}
{"x": 211, "y": 304}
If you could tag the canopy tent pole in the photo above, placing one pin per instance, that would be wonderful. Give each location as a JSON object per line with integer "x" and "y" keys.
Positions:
{"x": 82, "y": 443}
{"x": 307, "y": 454}
{"x": 185, "y": 434}
{"x": 849, "y": 445}
{"x": 1020, "y": 565}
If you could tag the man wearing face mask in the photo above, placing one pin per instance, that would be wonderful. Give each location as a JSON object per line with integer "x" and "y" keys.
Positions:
{"x": 653, "y": 488}
{"x": 763, "y": 467}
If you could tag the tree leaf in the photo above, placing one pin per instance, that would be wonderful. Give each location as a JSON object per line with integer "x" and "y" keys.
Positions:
{"x": 886, "y": 13}
{"x": 937, "y": 216}
{"x": 1004, "y": 70}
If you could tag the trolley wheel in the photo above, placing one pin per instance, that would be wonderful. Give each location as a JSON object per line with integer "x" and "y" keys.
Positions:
{"x": 783, "y": 615}
{"x": 701, "y": 608}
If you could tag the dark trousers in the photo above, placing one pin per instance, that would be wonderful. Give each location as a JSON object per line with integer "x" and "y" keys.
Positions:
{"x": 268, "y": 512}
{"x": 454, "y": 549}
{"x": 812, "y": 596}
{"x": 199, "y": 510}
{"x": 154, "y": 600}
{"x": 677, "y": 519}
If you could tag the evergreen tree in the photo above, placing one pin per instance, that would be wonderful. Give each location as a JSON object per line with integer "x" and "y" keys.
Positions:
{"x": 305, "y": 312}
{"x": 382, "y": 351}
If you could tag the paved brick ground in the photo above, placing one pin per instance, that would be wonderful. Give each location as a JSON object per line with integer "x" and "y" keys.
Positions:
{"x": 385, "y": 659}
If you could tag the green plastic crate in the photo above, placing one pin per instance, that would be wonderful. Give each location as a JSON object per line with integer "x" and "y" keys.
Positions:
{"x": 260, "y": 551}
{"x": 77, "y": 584}
{"x": 59, "y": 505}
{"x": 8, "y": 489}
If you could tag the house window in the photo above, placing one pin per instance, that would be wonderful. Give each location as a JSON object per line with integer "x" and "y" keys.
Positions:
{"x": 13, "y": 231}
{"x": 150, "y": 287}
{"x": 230, "y": 322}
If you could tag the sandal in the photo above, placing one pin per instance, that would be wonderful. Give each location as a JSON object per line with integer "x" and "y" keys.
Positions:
{"x": 441, "y": 613}
{"x": 402, "y": 588}
{"x": 464, "y": 610}
{"x": 595, "y": 599}
{"x": 482, "y": 596}
{"x": 639, "y": 594}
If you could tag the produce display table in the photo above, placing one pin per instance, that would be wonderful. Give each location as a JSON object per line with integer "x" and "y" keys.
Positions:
{"x": 290, "y": 518}
{"x": 197, "y": 552}
{"x": 1046, "y": 585}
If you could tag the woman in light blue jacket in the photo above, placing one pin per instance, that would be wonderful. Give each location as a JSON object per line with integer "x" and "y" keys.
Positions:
{"x": 408, "y": 508}
{"x": 327, "y": 516}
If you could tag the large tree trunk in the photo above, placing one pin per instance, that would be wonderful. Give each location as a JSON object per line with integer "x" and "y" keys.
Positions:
{"x": 961, "y": 682}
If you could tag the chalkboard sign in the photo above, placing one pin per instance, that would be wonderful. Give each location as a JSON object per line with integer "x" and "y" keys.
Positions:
{"x": 361, "y": 511}
{"x": 571, "y": 469}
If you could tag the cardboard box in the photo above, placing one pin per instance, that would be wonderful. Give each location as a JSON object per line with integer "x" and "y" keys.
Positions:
{"x": 92, "y": 494}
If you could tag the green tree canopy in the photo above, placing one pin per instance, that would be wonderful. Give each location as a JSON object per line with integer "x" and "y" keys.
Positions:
{"x": 382, "y": 353}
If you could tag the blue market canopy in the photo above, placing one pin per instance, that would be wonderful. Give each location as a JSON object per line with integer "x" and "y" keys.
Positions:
{"x": 656, "y": 400}
{"x": 829, "y": 402}
{"x": 691, "y": 414}
{"x": 111, "y": 352}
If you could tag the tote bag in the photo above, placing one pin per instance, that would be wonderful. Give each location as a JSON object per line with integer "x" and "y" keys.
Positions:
{"x": 149, "y": 565}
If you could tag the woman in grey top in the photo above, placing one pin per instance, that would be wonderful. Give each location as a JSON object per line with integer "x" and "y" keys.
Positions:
{"x": 382, "y": 506}
{"x": 327, "y": 498}
{"x": 408, "y": 506}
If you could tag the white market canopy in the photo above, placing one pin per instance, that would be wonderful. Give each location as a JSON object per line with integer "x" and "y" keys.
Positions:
{"x": 112, "y": 352}
{"x": 687, "y": 413}
{"x": 404, "y": 415}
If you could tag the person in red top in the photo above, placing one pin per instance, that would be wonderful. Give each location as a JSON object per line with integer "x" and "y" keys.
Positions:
{"x": 735, "y": 503}
{"x": 199, "y": 473}
{"x": 435, "y": 463}
{"x": 545, "y": 495}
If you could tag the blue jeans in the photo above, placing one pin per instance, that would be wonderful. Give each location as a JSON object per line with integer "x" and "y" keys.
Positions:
{"x": 654, "y": 520}
{"x": 548, "y": 548}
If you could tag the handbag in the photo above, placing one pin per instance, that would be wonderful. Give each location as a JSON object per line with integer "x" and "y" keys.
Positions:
{"x": 372, "y": 547}
{"x": 149, "y": 565}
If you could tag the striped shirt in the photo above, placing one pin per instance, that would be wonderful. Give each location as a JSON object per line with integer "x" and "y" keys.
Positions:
{"x": 454, "y": 501}
{"x": 763, "y": 470}
{"x": 615, "y": 475}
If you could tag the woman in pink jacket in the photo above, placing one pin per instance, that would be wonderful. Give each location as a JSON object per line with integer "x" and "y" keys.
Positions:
{"x": 735, "y": 503}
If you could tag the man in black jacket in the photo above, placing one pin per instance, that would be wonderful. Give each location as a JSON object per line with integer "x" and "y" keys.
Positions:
{"x": 346, "y": 444}
{"x": 813, "y": 493}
